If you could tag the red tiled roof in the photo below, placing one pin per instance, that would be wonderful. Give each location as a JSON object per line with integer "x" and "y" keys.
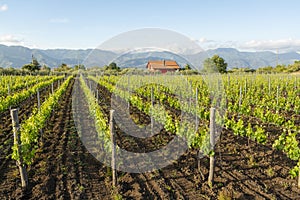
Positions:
{"x": 163, "y": 64}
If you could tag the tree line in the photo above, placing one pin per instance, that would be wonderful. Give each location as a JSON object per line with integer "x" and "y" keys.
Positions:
{"x": 214, "y": 64}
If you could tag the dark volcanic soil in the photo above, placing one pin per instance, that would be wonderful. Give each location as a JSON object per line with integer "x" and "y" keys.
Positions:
{"x": 64, "y": 169}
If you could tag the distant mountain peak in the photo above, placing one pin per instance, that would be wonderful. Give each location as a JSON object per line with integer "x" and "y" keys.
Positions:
{"x": 17, "y": 56}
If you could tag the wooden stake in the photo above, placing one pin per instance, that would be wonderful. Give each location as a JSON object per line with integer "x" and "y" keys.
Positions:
{"x": 128, "y": 88}
{"x": 299, "y": 178}
{"x": 52, "y": 88}
{"x": 245, "y": 87}
{"x": 241, "y": 97}
{"x": 212, "y": 127}
{"x": 277, "y": 96}
{"x": 269, "y": 85}
{"x": 190, "y": 102}
{"x": 228, "y": 81}
{"x": 8, "y": 90}
{"x": 113, "y": 149}
{"x": 17, "y": 140}
{"x": 196, "y": 114}
{"x": 152, "y": 104}
{"x": 38, "y": 99}
{"x": 97, "y": 95}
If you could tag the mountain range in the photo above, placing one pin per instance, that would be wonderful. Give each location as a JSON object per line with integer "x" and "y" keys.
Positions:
{"x": 17, "y": 56}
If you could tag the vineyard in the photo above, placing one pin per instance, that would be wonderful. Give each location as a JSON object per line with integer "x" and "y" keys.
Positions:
{"x": 223, "y": 136}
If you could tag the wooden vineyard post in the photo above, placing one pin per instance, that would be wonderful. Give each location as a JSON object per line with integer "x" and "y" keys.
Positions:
{"x": 246, "y": 85}
{"x": 17, "y": 140}
{"x": 52, "y": 88}
{"x": 196, "y": 113}
{"x": 190, "y": 101}
{"x": 128, "y": 90}
{"x": 8, "y": 90}
{"x": 38, "y": 99}
{"x": 228, "y": 81}
{"x": 241, "y": 97}
{"x": 113, "y": 149}
{"x": 152, "y": 104}
{"x": 269, "y": 85}
{"x": 277, "y": 96}
{"x": 212, "y": 129}
{"x": 39, "y": 107}
{"x": 299, "y": 178}
{"x": 97, "y": 95}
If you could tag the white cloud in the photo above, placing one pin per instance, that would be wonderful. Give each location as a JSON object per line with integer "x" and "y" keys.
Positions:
{"x": 13, "y": 40}
{"x": 213, "y": 44}
{"x": 283, "y": 45}
{"x": 3, "y": 8}
{"x": 59, "y": 20}
{"x": 205, "y": 40}
{"x": 10, "y": 40}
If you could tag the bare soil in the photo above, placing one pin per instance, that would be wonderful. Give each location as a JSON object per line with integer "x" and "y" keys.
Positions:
{"x": 64, "y": 169}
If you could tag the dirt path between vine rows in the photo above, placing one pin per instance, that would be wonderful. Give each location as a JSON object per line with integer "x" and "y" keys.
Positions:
{"x": 243, "y": 171}
{"x": 8, "y": 169}
{"x": 64, "y": 169}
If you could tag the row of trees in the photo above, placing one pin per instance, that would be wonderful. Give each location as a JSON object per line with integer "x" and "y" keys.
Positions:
{"x": 295, "y": 67}
{"x": 218, "y": 64}
{"x": 35, "y": 66}
{"x": 214, "y": 64}
{"x": 210, "y": 65}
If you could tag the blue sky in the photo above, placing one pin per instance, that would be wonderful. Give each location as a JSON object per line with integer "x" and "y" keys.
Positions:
{"x": 246, "y": 25}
